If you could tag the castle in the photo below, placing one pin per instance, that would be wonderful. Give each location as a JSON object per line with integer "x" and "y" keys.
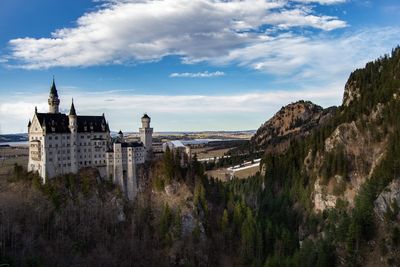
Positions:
{"x": 61, "y": 144}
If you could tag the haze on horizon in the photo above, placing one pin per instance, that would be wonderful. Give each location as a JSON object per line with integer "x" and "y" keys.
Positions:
{"x": 192, "y": 65}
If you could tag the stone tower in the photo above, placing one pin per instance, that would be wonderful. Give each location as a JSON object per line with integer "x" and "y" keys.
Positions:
{"x": 73, "y": 127}
{"x": 54, "y": 101}
{"x": 146, "y": 134}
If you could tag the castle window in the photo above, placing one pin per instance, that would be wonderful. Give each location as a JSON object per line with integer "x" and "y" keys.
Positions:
{"x": 56, "y": 137}
{"x": 50, "y": 138}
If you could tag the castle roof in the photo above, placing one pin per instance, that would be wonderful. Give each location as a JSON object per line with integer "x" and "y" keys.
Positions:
{"x": 72, "y": 109}
{"x": 58, "y": 123}
{"x": 53, "y": 89}
{"x": 145, "y": 116}
{"x": 120, "y": 132}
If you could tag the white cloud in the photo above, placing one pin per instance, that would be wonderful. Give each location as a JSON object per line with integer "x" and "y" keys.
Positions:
{"x": 319, "y": 58}
{"x": 123, "y": 31}
{"x": 204, "y": 74}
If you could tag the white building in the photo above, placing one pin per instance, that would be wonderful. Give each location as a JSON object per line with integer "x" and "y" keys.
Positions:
{"x": 125, "y": 157}
{"x": 61, "y": 143}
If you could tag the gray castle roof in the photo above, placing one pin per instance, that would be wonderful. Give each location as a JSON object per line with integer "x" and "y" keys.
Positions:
{"x": 72, "y": 109}
{"x": 53, "y": 89}
{"x": 58, "y": 123}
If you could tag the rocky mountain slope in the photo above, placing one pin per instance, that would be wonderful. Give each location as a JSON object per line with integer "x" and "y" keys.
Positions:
{"x": 347, "y": 167}
{"x": 295, "y": 120}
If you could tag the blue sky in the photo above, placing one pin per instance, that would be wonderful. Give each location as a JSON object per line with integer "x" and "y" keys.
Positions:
{"x": 192, "y": 65}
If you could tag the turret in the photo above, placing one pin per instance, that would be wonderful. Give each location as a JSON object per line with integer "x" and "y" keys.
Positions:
{"x": 73, "y": 127}
{"x": 146, "y": 134}
{"x": 54, "y": 101}
{"x": 120, "y": 136}
{"x": 73, "y": 119}
{"x": 146, "y": 121}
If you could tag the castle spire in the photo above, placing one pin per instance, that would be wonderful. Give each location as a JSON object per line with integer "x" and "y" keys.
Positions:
{"x": 53, "y": 89}
{"x": 72, "y": 109}
{"x": 53, "y": 101}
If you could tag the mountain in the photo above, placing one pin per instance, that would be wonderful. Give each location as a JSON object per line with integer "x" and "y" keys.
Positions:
{"x": 329, "y": 196}
{"x": 346, "y": 170}
{"x": 296, "y": 120}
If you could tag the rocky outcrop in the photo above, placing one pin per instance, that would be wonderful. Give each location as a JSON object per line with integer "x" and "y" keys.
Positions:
{"x": 322, "y": 200}
{"x": 388, "y": 200}
{"x": 295, "y": 120}
{"x": 351, "y": 93}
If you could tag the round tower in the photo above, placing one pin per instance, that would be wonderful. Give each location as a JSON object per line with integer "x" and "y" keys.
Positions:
{"x": 73, "y": 127}
{"x": 73, "y": 118}
{"x": 54, "y": 101}
{"x": 146, "y": 121}
{"x": 146, "y": 134}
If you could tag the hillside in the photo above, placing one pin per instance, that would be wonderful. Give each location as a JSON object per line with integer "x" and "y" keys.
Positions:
{"x": 330, "y": 196}
{"x": 296, "y": 120}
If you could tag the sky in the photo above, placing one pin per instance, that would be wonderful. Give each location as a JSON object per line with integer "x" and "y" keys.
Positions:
{"x": 192, "y": 65}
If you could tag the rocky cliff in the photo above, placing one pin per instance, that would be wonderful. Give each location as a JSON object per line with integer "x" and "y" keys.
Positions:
{"x": 295, "y": 120}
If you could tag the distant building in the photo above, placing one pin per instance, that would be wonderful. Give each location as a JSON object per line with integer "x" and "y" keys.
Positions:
{"x": 61, "y": 144}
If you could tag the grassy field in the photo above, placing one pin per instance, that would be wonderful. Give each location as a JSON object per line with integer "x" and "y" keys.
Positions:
{"x": 243, "y": 174}
{"x": 223, "y": 174}
{"x": 208, "y": 152}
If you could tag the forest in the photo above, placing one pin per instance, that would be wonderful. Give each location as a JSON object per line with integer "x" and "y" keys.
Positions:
{"x": 265, "y": 220}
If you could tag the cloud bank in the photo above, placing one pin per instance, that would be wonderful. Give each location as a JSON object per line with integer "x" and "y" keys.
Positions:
{"x": 126, "y": 31}
{"x": 178, "y": 113}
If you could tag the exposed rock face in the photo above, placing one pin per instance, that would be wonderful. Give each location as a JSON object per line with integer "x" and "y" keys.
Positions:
{"x": 351, "y": 93}
{"x": 389, "y": 197}
{"x": 322, "y": 200}
{"x": 292, "y": 121}
{"x": 171, "y": 188}
{"x": 362, "y": 152}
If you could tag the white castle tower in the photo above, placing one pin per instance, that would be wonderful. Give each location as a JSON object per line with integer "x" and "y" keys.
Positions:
{"x": 73, "y": 127}
{"x": 64, "y": 143}
{"x": 146, "y": 134}
{"x": 54, "y": 101}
